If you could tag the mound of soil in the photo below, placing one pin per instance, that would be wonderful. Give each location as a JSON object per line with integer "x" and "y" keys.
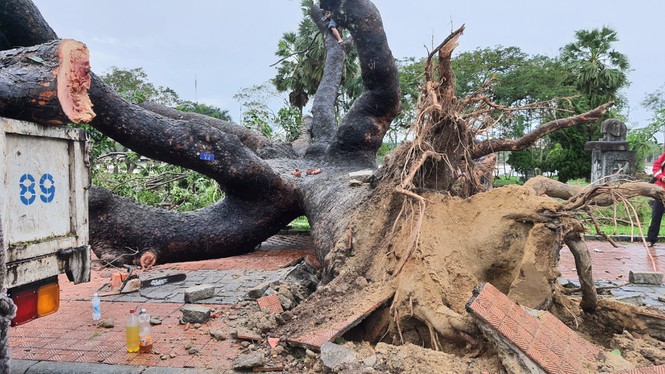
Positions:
{"x": 431, "y": 261}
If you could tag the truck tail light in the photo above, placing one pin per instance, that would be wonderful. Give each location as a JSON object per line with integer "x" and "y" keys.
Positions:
{"x": 26, "y": 306}
{"x": 35, "y": 300}
{"x": 48, "y": 299}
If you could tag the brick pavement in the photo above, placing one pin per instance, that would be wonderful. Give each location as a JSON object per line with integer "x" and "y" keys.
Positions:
{"x": 613, "y": 264}
{"x": 70, "y": 336}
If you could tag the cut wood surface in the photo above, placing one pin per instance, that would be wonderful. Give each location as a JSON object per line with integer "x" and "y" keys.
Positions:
{"x": 47, "y": 83}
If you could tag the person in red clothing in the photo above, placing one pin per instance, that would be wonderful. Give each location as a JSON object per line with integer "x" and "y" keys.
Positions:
{"x": 657, "y": 207}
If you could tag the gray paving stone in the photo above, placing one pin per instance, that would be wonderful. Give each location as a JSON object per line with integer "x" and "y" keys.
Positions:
{"x": 196, "y": 293}
{"x": 195, "y": 314}
{"x": 50, "y": 367}
{"x": 20, "y": 366}
{"x": 645, "y": 277}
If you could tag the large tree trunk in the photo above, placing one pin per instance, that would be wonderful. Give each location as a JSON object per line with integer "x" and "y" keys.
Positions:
{"x": 254, "y": 187}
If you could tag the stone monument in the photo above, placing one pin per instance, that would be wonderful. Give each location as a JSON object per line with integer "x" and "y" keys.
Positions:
{"x": 611, "y": 158}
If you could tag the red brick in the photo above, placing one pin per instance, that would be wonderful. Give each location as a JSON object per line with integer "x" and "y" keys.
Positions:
{"x": 270, "y": 303}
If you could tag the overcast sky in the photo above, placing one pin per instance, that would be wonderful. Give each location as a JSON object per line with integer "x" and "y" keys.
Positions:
{"x": 229, "y": 45}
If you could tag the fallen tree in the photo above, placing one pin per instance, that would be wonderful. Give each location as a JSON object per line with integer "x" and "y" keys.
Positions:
{"x": 421, "y": 236}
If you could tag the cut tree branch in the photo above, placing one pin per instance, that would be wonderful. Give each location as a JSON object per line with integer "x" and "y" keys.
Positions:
{"x": 496, "y": 145}
{"x": 47, "y": 83}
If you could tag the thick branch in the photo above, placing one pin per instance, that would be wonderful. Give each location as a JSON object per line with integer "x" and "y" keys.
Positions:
{"x": 191, "y": 144}
{"x": 584, "y": 272}
{"x": 22, "y": 25}
{"x": 601, "y": 195}
{"x": 121, "y": 230}
{"x": 323, "y": 107}
{"x": 361, "y": 133}
{"x": 496, "y": 145}
{"x": 47, "y": 84}
{"x": 256, "y": 142}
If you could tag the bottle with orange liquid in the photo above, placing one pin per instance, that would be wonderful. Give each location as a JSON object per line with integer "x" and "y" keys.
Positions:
{"x": 132, "y": 332}
{"x": 145, "y": 340}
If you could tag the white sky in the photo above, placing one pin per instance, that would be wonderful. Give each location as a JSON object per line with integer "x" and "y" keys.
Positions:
{"x": 229, "y": 45}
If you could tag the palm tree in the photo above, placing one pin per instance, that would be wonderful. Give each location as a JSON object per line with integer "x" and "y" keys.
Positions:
{"x": 302, "y": 58}
{"x": 598, "y": 71}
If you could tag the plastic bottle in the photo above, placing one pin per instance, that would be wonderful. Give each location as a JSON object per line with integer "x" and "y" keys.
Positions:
{"x": 96, "y": 307}
{"x": 132, "y": 332}
{"x": 145, "y": 340}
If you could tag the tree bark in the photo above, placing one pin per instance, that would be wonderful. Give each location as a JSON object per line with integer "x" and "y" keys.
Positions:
{"x": 254, "y": 141}
{"x": 599, "y": 195}
{"x": 361, "y": 132}
{"x": 47, "y": 83}
{"x": 22, "y": 25}
{"x": 253, "y": 186}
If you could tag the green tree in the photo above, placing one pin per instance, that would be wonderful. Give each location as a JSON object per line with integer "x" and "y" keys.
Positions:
{"x": 133, "y": 85}
{"x": 302, "y": 58}
{"x": 208, "y": 110}
{"x": 411, "y": 78}
{"x": 598, "y": 72}
{"x": 655, "y": 102}
{"x": 518, "y": 80}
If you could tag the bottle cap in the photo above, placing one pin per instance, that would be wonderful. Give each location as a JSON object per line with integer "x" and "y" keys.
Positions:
{"x": 131, "y": 311}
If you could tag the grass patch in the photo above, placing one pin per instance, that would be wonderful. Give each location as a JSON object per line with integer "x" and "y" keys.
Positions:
{"x": 506, "y": 180}
{"x": 300, "y": 223}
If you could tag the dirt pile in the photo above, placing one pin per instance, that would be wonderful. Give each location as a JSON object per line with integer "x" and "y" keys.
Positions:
{"x": 432, "y": 266}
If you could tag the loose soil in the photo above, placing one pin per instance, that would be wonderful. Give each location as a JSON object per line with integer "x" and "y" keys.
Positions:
{"x": 431, "y": 268}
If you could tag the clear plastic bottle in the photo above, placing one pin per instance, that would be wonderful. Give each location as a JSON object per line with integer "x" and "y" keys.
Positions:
{"x": 96, "y": 307}
{"x": 145, "y": 340}
{"x": 132, "y": 332}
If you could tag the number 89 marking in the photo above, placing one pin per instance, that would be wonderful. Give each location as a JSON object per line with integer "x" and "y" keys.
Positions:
{"x": 27, "y": 186}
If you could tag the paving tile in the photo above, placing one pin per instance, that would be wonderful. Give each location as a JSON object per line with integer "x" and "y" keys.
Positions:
{"x": 645, "y": 370}
{"x": 270, "y": 303}
{"x": 538, "y": 334}
{"x": 611, "y": 263}
{"x": 71, "y": 336}
{"x": 341, "y": 323}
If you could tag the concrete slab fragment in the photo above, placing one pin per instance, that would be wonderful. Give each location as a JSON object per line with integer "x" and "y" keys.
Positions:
{"x": 200, "y": 292}
{"x": 339, "y": 323}
{"x": 195, "y": 313}
{"x": 645, "y": 277}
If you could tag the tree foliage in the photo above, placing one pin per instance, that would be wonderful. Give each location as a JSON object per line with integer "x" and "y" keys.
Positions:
{"x": 205, "y": 109}
{"x": 598, "y": 72}
{"x": 302, "y": 58}
{"x": 134, "y": 86}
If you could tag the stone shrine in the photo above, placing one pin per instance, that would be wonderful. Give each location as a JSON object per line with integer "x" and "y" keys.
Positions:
{"x": 611, "y": 157}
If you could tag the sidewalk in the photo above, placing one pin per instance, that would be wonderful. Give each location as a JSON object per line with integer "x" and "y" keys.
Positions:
{"x": 69, "y": 341}
{"x": 70, "y": 336}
